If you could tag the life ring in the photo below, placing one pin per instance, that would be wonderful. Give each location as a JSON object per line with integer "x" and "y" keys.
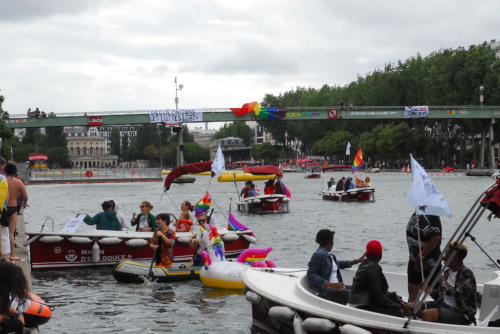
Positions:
{"x": 89, "y": 173}
{"x": 34, "y": 310}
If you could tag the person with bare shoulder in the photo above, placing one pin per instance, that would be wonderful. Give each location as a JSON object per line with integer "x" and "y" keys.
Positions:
{"x": 16, "y": 189}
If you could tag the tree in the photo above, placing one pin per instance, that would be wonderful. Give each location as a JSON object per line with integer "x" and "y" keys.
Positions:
{"x": 265, "y": 151}
{"x": 237, "y": 129}
{"x": 193, "y": 152}
{"x": 115, "y": 146}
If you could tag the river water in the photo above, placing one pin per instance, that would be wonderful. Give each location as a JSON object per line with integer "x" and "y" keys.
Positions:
{"x": 91, "y": 301}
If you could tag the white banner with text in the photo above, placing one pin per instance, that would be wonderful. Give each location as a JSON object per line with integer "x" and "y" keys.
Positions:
{"x": 175, "y": 116}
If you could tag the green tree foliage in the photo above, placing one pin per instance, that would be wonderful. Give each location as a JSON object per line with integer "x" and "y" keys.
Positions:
{"x": 445, "y": 77}
{"x": 265, "y": 151}
{"x": 6, "y": 140}
{"x": 194, "y": 152}
{"x": 115, "y": 147}
{"x": 237, "y": 129}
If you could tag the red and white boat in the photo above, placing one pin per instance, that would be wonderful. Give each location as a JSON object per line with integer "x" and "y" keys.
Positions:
{"x": 351, "y": 195}
{"x": 275, "y": 203}
{"x": 102, "y": 248}
{"x": 312, "y": 175}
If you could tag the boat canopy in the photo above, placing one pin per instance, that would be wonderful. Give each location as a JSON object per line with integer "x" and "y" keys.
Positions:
{"x": 198, "y": 167}
{"x": 260, "y": 170}
{"x": 229, "y": 176}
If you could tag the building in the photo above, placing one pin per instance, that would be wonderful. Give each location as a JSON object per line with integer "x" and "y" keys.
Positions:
{"x": 87, "y": 148}
{"x": 203, "y": 137}
{"x": 495, "y": 46}
{"x": 234, "y": 149}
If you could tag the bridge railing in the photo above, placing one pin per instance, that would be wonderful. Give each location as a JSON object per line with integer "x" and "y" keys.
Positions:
{"x": 93, "y": 174}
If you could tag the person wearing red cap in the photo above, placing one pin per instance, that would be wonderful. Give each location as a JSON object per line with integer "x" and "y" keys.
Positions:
{"x": 369, "y": 289}
{"x": 323, "y": 273}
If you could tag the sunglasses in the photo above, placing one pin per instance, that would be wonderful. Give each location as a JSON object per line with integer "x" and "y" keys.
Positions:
{"x": 202, "y": 220}
{"x": 144, "y": 206}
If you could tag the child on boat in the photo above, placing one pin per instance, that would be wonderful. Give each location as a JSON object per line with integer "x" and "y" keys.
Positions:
{"x": 163, "y": 241}
{"x": 184, "y": 224}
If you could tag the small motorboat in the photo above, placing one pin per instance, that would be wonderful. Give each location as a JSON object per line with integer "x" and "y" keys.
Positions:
{"x": 352, "y": 195}
{"x": 50, "y": 250}
{"x": 137, "y": 272}
{"x": 275, "y": 203}
{"x": 312, "y": 175}
{"x": 282, "y": 302}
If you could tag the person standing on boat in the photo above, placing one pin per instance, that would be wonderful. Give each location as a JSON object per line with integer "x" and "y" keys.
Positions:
{"x": 105, "y": 220}
{"x": 455, "y": 293}
{"x": 369, "y": 289}
{"x": 323, "y": 271}
{"x": 164, "y": 255}
{"x": 200, "y": 240}
{"x": 424, "y": 249}
{"x": 144, "y": 221}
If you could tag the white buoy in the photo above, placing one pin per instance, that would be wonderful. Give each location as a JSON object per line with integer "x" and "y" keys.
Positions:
{"x": 136, "y": 242}
{"x": 230, "y": 237}
{"x": 110, "y": 241}
{"x": 253, "y": 298}
{"x": 351, "y": 329}
{"x": 51, "y": 239}
{"x": 184, "y": 240}
{"x": 80, "y": 240}
{"x": 96, "y": 257}
{"x": 318, "y": 325}
{"x": 281, "y": 313}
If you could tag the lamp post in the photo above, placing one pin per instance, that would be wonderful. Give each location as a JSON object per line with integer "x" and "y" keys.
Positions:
{"x": 180, "y": 145}
{"x": 481, "y": 97}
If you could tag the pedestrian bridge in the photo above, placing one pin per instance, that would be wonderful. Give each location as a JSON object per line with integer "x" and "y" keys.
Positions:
{"x": 226, "y": 115}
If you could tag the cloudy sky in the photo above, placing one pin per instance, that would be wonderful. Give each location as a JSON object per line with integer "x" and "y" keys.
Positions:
{"x": 104, "y": 55}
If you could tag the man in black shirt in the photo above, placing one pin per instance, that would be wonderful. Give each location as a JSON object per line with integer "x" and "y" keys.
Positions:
{"x": 428, "y": 249}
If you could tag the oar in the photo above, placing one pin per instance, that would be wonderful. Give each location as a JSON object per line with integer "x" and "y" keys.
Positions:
{"x": 150, "y": 273}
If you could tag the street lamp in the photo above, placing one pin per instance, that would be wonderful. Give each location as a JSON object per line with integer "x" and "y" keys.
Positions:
{"x": 180, "y": 144}
{"x": 177, "y": 88}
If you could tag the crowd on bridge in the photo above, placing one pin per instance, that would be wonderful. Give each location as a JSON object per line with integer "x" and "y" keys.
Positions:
{"x": 37, "y": 113}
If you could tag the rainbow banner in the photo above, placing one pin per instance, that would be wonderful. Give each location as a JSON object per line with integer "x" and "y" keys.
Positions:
{"x": 203, "y": 205}
{"x": 358, "y": 161}
{"x": 234, "y": 225}
{"x": 265, "y": 113}
{"x": 286, "y": 191}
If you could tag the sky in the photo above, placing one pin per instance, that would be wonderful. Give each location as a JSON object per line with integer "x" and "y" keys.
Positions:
{"x": 104, "y": 55}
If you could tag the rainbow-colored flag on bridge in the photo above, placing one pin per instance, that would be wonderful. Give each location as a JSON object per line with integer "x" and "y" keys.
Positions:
{"x": 358, "y": 161}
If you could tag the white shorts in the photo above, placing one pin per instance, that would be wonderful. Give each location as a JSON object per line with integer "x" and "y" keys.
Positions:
{"x": 5, "y": 240}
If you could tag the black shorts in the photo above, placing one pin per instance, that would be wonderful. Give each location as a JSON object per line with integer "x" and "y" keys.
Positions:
{"x": 11, "y": 210}
{"x": 447, "y": 315}
{"x": 414, "y": 277}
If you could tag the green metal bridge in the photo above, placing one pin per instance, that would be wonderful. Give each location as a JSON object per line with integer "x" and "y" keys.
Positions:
{"x": 226, "y": 115}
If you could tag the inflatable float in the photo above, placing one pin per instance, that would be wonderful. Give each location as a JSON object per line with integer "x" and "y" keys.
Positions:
{"x": 227, "y": 274}
{"x": 137, "y": 272}
{"x": 34, "y": 310}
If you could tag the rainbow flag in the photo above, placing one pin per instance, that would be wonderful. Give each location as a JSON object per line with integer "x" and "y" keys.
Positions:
{"x": 261, "y": 112}
{"x": 203, "y": 205}
{"x": 234, "y": 225}
{"x": 286, "y": 191}
{"x": 358, "y": 161}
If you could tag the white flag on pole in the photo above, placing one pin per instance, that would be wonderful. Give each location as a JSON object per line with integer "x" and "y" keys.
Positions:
{"x": 424, "y": 196}
{"x": 348, "y": 149}
{"x": 218, "y": 165}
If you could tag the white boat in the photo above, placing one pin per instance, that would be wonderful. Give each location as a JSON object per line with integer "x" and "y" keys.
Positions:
{"x": 352, "y": 195}
{"x": 275, "y": 203}
{"x": 282, "y": 302}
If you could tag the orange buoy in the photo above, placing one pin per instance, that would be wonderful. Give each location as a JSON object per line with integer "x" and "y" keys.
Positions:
{"x": 34, "y": 310}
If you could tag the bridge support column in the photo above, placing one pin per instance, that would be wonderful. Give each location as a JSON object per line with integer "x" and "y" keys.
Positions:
{"x": 180, "y": 147}
{"x": 483, "y": 146}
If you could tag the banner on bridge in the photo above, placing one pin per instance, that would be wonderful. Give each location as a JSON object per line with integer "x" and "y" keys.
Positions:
{"x": 175, "y": 116}
{"x": 417, "y": 111}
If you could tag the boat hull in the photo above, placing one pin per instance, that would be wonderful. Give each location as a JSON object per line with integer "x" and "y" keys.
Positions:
{"x": 136, "y": 272}
{"x": 264, "y": 204}
{"x": 353, "y": 195}
{"x": 105, "y": 248}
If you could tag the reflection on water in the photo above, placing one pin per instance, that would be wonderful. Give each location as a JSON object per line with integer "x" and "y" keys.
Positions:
{"x": 91, "y": 301}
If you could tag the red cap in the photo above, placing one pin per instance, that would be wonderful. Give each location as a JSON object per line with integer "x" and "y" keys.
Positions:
{"x": 374, "y": 247}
